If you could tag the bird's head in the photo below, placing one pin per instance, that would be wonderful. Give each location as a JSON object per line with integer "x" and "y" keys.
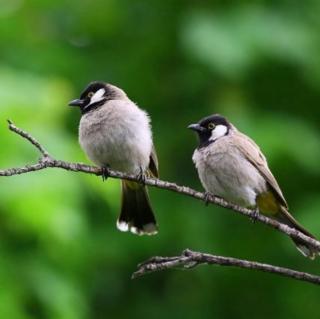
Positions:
{"x": 211, "y": 128}
{"x": 96, "y": 94}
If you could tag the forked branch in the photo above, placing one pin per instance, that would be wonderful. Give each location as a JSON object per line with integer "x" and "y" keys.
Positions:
{"x": 47, "y": 161}
{"x": 190, "y": 259}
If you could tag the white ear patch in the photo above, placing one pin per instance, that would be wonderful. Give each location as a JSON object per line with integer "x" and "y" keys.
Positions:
{"x": 219, "y": 131}
{"x": 97, "y": 96}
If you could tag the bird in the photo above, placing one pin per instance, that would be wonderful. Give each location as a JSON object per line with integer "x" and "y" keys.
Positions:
{"x": 116, "y": 134}
{"x": 231, "y": 165}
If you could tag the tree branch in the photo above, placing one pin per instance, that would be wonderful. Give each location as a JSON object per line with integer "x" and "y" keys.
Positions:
{"x": 190, "y": 259}
{"x": 28, "y": 137}
{"x": 47, "y": 161}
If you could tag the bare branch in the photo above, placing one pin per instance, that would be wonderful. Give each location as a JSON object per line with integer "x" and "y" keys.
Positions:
{"x": 48, "y": 161}
{"x": 28, "y": 137}
{"x": 189, "y": 259}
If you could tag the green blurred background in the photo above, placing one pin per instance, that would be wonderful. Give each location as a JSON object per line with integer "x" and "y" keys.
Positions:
{"x": 256, "y": 62}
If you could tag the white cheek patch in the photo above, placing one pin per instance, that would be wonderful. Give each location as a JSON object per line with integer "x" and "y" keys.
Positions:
{"x": 219, "y": 131}
{"x": 97, "y": 96}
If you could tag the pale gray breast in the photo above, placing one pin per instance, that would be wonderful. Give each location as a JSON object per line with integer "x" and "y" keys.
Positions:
{"x": 225, "y": 172}
{"x": 117, "y": 134}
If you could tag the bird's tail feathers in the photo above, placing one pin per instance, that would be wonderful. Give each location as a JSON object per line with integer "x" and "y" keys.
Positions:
{"x": 136, "y": 213}
{"x": 305, "y": 249}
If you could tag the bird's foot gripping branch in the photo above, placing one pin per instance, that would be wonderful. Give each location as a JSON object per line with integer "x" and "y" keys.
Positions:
{"x": 188, "y": 258}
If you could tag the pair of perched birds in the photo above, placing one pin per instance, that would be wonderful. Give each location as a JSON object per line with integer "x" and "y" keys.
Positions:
{"x": 115, "y": 133}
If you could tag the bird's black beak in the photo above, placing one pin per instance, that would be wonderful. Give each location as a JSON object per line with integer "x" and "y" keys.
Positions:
{"x": 196, "y": 127}
{"x": 77, "y": 102}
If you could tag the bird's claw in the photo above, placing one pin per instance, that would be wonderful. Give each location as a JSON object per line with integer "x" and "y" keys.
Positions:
{"x": 207, "y": 197}
{"x": 141, "y": 177}
{"x": 104, "y": 173}
{"x": 254, "y": 215}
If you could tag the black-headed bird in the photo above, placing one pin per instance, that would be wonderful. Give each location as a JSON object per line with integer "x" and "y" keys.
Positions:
{"x": 116, "y": 134}
{"x": 230, "y": 165}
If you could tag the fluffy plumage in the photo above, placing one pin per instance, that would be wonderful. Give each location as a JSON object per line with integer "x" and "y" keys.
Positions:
{"x": 232, "y": 166}
{"x": 114, "y": 132}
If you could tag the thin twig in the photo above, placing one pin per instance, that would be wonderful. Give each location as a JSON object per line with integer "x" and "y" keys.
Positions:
{"x": 47, "y": 161}
{"x": 189, "y": 259}
{"x": 27, "y": 136}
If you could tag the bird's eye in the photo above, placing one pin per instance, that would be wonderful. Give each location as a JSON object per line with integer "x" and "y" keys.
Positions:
{"x": 211, "y": 126}
{"x": 90, "y": 95}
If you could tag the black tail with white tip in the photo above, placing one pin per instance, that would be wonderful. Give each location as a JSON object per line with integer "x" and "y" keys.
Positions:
{"x": 136, "y": 213}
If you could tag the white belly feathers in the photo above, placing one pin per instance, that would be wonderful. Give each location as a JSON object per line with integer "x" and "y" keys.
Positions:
{"x": 117, "y": 135}
{"x": 224, "y": 172}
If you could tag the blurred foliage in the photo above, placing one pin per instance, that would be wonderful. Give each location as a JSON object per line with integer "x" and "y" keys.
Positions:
{"x": 256, "y": 62}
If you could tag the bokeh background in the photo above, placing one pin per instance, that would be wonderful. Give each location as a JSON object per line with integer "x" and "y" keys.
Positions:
{"x": 256, "y": 62}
